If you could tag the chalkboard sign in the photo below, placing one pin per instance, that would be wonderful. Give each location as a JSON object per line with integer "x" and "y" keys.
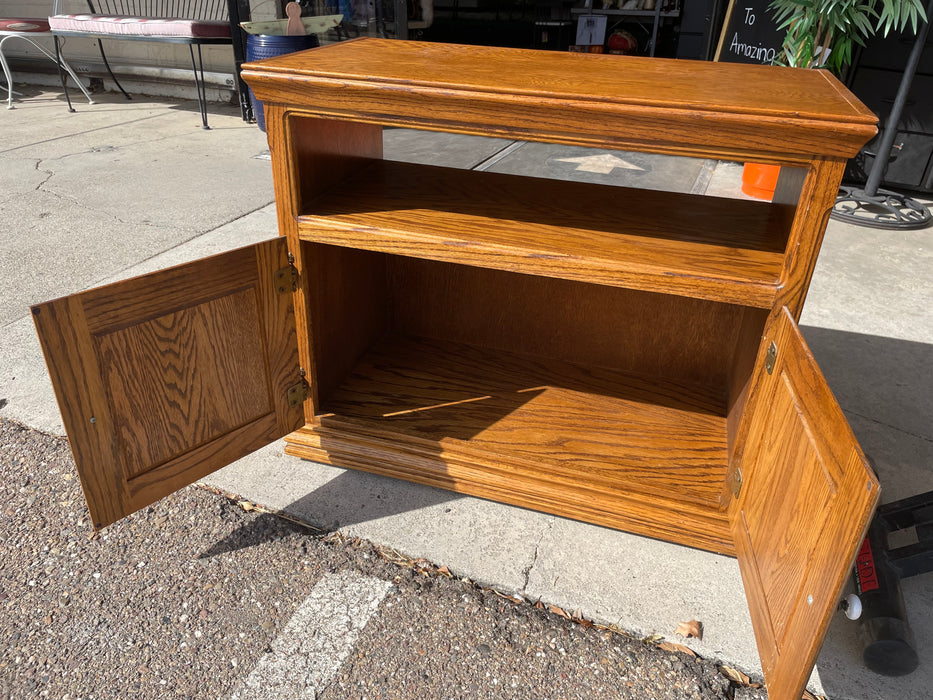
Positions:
{"x": 749, "y": 33}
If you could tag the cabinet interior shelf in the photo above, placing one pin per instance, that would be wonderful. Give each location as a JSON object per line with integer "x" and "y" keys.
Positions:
{"x": 707, "y": 247}
{"x": 545, "y": 424}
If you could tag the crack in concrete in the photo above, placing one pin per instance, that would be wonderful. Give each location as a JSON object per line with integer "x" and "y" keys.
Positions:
{"x": 526, "y": 572}
{"x": 48, "y": 176}
{"x": 103, "y": 212}
{"x": 152, "y": 224}
{"x": 37, "y": 163}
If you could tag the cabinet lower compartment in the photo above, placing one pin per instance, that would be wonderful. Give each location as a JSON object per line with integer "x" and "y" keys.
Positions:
{"x": 605, "y": 404}
{"x": 644, "y": 455}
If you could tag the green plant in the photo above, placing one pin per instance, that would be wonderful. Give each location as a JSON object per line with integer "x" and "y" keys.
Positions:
{"x": 820, "y": 33}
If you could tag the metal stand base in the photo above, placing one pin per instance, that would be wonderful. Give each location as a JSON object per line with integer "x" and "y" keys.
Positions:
{"x": 885, "y": 209}
{"x": 889, "y": 647}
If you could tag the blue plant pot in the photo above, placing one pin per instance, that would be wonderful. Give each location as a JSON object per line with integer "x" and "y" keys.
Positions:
{"x": 260, "y": 46}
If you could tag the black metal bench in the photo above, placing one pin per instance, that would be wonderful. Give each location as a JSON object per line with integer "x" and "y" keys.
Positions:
{"x": 191, "y": 22}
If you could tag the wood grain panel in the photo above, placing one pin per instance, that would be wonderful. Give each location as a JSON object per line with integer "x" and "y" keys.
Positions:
{"x": 787, "y": 510}
{"x": 574, "y": 322}
{"x": 459, "y": 469}
{"x": 607, "y": 428}
{"x": 132, "y": 301}
{"x": 279, "y": 334}
{"x": 325, "y": 152}
{"x": 818, "y": 194}
{"x": 747, "y": 337}
{"x": 724, "y": 250}
{"x": 69, "y": 356}
{"x": 700, "y": 108}
{"x": 731, "y": 88}
{"x": 155, "y": 403}
{"x": 349, "y": 301}
{"x": 185, "y": 378}
{"x": 199, "y": 462}
{"x": 806, "y": 501}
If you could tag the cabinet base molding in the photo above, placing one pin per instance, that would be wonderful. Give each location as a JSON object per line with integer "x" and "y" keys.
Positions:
{"x": 516, "y": 484}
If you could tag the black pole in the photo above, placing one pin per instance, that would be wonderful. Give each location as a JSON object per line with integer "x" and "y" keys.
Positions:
{"x": 401, "y": 19}
{"x": 890, "y": 130}
{"x": 239, "y": 11}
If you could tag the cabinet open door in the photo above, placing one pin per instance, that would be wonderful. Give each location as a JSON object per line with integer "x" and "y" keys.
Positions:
{"x": 164, "y": 378}
{"x": 806, "y": 499}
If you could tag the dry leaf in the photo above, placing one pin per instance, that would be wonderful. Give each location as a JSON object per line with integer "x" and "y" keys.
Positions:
{"x": 444, "y": 571}
{"x": 653, "y": 638}
{"x": 734, "y": 675}
{"x": 559, "y": 611}
{"x": 690, "y": 629}
{"x": 512, "y": 598}
{"x": 671, "y": 646}
{"x": 246, "y": 505}
{"x": 393, "y": 556}
{"x": 289, "y": 518}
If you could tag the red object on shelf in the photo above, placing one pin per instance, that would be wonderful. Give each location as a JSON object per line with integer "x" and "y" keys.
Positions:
{"x": 759, "y": 180}
{"x": 622, "y": 42}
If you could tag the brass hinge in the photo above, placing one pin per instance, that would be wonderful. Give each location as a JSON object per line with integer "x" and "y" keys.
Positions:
{"x": 297, "y": 394}
{"x": 737, "y": 482}
{"x": 771, "y": 357}
{"x": 285, "y": 279}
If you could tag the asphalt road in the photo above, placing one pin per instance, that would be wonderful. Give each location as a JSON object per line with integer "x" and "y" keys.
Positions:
{"x": 200, "y": 596}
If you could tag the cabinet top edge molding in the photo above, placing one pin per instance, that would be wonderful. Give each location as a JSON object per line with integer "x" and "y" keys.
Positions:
{"x": 645, "y": 103}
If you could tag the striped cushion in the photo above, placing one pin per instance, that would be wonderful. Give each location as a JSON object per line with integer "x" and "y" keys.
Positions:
{"x": 139, "y": 26}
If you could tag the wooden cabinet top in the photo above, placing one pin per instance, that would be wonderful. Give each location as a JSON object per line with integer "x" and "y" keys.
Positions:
{"x": 649, "y": 104}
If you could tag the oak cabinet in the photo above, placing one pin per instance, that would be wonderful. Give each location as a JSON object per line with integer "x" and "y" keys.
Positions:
{"x": 508, "y": 337}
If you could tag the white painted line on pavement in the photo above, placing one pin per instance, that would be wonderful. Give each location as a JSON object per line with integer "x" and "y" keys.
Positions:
{"x": 316, "y": 640}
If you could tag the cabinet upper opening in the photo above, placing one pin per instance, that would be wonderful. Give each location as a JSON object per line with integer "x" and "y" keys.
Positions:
{"x": 707, "y": 247}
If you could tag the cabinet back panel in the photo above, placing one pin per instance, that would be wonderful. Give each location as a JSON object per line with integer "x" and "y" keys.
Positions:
{"x": 679, "y": 338}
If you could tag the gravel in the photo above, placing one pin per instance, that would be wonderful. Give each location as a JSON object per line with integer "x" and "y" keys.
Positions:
{"x": 446, "y": 639}
{"x": 181, "y": 600}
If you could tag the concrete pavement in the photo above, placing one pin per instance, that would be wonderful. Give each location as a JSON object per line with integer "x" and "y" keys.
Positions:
{"x": 119, "y": 189}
